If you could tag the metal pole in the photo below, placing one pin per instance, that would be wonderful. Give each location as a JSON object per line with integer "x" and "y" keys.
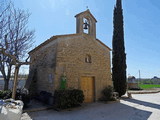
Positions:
{"x": 139, "y": 77}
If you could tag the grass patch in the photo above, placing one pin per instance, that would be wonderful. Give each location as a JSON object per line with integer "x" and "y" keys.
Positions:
{"x": 148, "y": 86}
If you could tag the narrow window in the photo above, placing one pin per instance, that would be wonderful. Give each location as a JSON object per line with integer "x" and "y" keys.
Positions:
{"x": 88, "y": 59}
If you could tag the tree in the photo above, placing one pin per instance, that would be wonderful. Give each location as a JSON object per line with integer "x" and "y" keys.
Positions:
{"x": 14, "y": 61}
{"x": 118, "y": 52}
{"x": 15, "y": 38}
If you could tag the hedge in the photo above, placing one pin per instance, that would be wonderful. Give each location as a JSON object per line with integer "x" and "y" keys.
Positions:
{"x": 68, "y": 98}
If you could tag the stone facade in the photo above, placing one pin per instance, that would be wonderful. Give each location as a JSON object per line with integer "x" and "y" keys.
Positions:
{"x": 66, "y": 54}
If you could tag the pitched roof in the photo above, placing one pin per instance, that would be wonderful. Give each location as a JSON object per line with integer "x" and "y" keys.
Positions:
{"x": 44, "y": 43}
{"x": 57, "y": 36}
{"x": 86, "y": 12}
{"x": 104, "y": 44}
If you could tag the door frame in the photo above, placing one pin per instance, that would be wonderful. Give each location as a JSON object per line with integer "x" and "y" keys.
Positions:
{"x": 94, "y": 85}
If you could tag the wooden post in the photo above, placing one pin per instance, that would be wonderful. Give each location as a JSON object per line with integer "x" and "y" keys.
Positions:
{"x": 15, "y": 81}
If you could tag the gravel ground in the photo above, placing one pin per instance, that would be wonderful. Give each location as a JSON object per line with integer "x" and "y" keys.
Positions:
{"x": 140, "y": 107}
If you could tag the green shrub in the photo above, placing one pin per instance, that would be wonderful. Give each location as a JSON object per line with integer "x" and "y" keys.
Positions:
{"x": 20, "y": 95}
{"x": 5, "y": 94}
{"x": 107, "y": 94}
{"x": 68, "y": 98}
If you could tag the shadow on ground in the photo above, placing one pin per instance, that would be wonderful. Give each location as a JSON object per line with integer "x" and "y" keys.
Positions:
{"x": 147, "y": 104}
{"x": 94, "y": 111}
{"x": 36, "y": 105}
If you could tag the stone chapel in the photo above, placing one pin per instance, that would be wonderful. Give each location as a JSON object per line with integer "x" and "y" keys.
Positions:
{"x": 82, "y": 58}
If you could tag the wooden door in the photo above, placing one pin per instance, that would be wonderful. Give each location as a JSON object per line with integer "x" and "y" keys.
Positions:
{"x": 87, "y": 86}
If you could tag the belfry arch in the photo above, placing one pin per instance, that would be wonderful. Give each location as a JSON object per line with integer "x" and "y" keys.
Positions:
{"x": 86, "y": 20}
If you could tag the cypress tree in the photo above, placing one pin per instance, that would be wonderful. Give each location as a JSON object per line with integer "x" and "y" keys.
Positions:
{"x": 118, "y": 52}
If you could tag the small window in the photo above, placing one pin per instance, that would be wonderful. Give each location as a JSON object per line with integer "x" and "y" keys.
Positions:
{"x": 88, "y": 59}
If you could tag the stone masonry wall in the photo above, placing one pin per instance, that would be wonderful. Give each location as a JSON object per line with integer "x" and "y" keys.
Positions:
{"x": 44, "y": 61}
{"x": 71, "y": 52}
{"x": 66, "y": 55}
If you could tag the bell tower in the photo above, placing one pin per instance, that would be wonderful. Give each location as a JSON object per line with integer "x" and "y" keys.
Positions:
{"x": 86, "y": 23}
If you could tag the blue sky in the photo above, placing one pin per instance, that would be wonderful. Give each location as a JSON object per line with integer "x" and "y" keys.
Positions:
{"x": 141, "y": 26}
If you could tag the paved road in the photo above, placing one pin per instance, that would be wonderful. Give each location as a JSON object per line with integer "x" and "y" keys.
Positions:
{"x": 140, "y": 107}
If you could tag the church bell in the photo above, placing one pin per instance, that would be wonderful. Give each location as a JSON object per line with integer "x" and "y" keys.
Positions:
{"x": 86, "y": 25}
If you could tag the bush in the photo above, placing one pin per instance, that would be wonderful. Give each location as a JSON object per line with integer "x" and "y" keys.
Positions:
{"x": 135, "y": 89}
{"x": 5, "y": 94}
{"x": 107, "y": 94}
{"x": 21, "y": 94}
{"x": 68, "y": 98}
